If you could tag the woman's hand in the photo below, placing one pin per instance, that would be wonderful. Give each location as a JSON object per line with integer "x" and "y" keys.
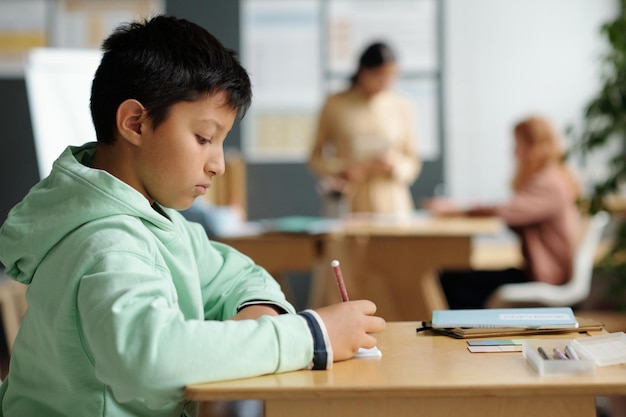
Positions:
{"x": 443, "y": 207}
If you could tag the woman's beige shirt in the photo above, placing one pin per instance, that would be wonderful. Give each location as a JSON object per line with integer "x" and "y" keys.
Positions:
{"x": 353, "y": 128}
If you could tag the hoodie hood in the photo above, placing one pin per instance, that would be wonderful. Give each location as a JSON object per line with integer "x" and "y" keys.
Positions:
{"x": 73, "y": 194}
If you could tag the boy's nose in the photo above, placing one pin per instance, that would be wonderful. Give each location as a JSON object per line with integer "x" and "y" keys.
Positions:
{"x": 216, "y": 165}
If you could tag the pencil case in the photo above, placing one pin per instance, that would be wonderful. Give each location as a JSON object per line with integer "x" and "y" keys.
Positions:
{"x": 555, "y": 366}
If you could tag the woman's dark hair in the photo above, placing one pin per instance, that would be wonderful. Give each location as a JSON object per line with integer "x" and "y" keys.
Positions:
{"x": 160, "y": 62}
{"x": 375, "y": 55}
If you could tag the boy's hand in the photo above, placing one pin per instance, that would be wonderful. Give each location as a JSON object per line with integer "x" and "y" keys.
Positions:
{"x": 350, "y": 325}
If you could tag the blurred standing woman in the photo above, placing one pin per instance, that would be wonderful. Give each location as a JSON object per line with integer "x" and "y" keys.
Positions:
{"x": 542, "y": 212}
{"x": 365, "y": 147}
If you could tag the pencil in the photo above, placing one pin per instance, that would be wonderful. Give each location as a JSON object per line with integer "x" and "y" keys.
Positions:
{"x": 339, "y": 278}
{"x": 559, "y": 354}
{"x": 571, "y": 353}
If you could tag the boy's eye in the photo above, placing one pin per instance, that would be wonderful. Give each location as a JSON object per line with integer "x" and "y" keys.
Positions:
{"x": 203, "y": 140}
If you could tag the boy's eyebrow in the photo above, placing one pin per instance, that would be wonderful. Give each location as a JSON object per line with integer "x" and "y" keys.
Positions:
{"x": 212, "y": 122}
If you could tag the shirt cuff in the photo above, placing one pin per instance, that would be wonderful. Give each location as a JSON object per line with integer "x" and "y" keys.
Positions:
{"x": 322, "y": 350}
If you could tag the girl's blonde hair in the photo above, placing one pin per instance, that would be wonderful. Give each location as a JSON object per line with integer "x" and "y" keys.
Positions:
{"x": 543, "y": 150}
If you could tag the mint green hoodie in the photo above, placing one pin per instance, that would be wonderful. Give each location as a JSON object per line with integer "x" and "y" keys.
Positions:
{"x": 126, "y": 306}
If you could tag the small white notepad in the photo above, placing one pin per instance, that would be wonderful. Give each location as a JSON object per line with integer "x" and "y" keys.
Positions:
{"x": 364, "y": 353}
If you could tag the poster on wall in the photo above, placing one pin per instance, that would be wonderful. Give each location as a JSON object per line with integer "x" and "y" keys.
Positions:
{"x": 280, "y": 50}
{"x": 408, "y": 26}
{"x": 22, "y": 27}
{"x": 85, "y": 23}
{"x": 62, "y": 23}
{"x": 298, "y": 52}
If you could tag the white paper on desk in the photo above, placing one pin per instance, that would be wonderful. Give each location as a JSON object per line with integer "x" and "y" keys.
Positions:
{"x": 364, "y": 353}
{"x": 494, "y": 349}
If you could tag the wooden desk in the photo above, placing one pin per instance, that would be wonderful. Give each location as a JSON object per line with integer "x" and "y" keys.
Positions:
{"x": 424, "y": 375}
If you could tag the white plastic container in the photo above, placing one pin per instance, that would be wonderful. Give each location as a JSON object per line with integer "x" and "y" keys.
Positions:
{"x": 606, "y": 349}
{"x": 552, "y": 366}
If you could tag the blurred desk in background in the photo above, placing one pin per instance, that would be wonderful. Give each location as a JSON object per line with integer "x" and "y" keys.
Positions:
{"x": 280, "y": 253}
{"x": 499, "y": 251}
{"x": 395, "y": 263}
{"x": 392, "y": 262}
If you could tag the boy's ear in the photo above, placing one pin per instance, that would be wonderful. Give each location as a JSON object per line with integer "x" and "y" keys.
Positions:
{"x": 130, "y": 118}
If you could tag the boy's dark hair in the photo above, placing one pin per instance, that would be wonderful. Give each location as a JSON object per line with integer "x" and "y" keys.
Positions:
{"x": 160, "y": 62}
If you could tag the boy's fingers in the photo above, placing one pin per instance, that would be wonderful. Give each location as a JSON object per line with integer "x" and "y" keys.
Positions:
{"x": 369, "y": 342}
{"x": 377, "y": 325}
{"x": 366, "y": 306}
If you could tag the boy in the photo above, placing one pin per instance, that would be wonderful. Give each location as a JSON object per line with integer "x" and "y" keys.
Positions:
{"x": 128, "y": 302}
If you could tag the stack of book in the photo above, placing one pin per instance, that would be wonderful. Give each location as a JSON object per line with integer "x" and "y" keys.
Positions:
{"x": 508, "y": 321}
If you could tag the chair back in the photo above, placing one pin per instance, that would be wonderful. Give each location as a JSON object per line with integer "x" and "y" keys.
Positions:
{"x": 569, "y": 294}
{"x": 580, "y": 284}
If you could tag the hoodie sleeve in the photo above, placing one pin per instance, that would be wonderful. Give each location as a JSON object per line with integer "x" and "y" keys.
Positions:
{"x": 238, "y": 281}
{"x": 146, "y": 342}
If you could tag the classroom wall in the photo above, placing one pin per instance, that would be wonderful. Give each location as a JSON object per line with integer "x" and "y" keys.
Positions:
{"x": 501, "y": 61}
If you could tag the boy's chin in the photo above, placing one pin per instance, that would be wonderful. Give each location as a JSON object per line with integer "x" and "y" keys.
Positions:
{"x": 180, "y": 206}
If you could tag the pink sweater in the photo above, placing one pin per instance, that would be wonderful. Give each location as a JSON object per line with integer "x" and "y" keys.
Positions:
{"x": 547, "y": 221}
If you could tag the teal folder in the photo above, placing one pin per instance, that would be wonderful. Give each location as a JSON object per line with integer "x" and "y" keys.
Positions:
{"x": 526, "y": 318}
{"x": 299, "y": 224}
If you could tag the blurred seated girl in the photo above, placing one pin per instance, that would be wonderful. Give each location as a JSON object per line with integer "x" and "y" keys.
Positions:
{"x": 542, "y": 212}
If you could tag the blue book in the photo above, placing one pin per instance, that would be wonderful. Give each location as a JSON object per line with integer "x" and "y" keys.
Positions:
{"x": 525, "y": 318}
